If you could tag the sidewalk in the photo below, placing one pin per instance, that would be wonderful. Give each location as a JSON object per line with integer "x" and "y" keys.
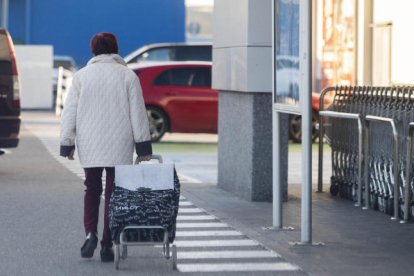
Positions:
{"x": 357, "y": 242}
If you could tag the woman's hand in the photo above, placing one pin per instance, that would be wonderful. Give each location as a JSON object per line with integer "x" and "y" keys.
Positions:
{"x": 70, "y": 156}
{"x": 144, "y": 158}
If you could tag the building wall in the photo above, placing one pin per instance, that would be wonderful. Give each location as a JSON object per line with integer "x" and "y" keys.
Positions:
{"x": 242, "y": 72}
{"x": 242, "y": 47}
{"x": 69, "y": 25}
{"x": 399, "y": 12}
{"x": 17, "y": 19}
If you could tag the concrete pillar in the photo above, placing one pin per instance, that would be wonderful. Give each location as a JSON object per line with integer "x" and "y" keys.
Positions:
{"x": 242, "y": 72}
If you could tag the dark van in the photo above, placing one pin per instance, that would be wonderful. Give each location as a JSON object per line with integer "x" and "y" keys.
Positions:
{"x": 171, "y": 52}
{"x": 9, "y": 94}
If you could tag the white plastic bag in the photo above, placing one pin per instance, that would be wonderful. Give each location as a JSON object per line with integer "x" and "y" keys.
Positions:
{"x": 145, "y": 176}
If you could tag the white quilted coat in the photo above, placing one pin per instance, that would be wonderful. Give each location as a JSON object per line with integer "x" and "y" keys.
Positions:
{"x": 105, "y": 113}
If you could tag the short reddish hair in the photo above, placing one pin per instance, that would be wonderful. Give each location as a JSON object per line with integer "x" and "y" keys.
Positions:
{"x": 104, "y": 43}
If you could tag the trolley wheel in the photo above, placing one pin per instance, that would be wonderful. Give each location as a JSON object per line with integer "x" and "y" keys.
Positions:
{"x": 381, "y": 204}
{"x": 411, "y": 212}
{"x": 389, "y": 206}
{"x": 401, "y": 211}
{"x": 355, "y": 192}
{"x": 174, "y": 256}
{"x": 167, "y": 250}
{"x": 124, "y": 253}
{"x": 373, "y": 201}
{"x": 116, "y": 256}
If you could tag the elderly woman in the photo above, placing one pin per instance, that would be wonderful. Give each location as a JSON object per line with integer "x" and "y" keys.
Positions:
{"x": 105, "y": 114}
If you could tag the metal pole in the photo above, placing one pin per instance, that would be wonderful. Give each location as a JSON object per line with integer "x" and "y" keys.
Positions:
{"x": 277, "y": 211}
{"x": 407, "y": 188}
{"x": 305, "y": 52}
{"x": 366, "y": 160}
{"x": 321, "y": 134}
{"x": 396, "y": 173}
{"x": 360, "y": 158}
{"x": 5, "y": 14}
{"x": 320, "y": 156}
{"x": 277, "y": 185}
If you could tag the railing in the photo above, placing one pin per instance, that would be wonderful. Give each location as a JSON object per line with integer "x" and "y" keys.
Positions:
{"x": 63, "y": 86}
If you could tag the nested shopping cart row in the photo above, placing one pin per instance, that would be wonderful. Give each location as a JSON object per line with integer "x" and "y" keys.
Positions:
{"x": 370, "y": 130}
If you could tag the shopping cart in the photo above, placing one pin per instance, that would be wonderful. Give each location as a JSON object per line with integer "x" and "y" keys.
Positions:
{"x": 144, "y": 213}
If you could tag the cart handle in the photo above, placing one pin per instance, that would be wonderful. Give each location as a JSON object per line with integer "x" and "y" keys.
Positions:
{"x": 153, "y": 157}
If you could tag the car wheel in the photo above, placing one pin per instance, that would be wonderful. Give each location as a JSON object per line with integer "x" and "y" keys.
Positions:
{"x": 295, "y": 127}
{"x": 315, "y": 122}
{"x": 158, "y": 123}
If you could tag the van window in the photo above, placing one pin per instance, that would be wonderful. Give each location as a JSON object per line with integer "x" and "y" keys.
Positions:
{"x": 5, "y": 58}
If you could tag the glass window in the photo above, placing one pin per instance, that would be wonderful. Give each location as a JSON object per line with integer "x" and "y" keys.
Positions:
{"x": 185, "y": 77}
{"x": 5, "y": 59}
{"x": 159, "y": 54}
{"x": 202, "y": 77}
{"x": 201, "y": 53}
{"x": 163, "y": 79}
{"x": 182, "y": 77}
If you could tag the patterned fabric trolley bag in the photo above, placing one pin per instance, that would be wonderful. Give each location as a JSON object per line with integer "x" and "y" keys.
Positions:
{"x": 144, "y": 195}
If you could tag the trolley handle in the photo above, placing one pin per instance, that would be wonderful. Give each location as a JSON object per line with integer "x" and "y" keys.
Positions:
{"x": 153, "y": 157}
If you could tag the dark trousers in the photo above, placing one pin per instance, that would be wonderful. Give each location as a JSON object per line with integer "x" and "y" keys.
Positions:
{"x": 93, "y": 192}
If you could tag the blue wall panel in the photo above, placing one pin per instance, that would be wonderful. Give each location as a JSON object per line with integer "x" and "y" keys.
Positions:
{"x": 17, "y": 20}
{"x": 69, "y": 25}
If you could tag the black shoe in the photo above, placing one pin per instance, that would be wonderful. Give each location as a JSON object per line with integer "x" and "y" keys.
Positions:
{"x": 89, "y": 246}
{"x": 107, "y": 254}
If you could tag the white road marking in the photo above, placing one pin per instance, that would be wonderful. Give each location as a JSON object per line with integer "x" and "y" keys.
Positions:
{"x": 190, "y": 210}
{"x": 189, "y": 179}
{"x": 237, "y": 267}
{"x": 185, "y": 203}
{"x": 227, "y": 254}
{"x": 204, "y": 217}
{"x": 208, "y": 233}
{"x": 216, "y": 243}
{"x": 201, "y": 225}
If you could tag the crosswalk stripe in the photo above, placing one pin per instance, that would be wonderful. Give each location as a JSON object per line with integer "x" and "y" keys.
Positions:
{"x": 227, "y": 254}
{"x": 237, "y": 267}
{"x": 216, "y": 243}
{"x": 207, "y": 233}
{"x": 185, "y": 203}
{"x": 201, "y": 225}
{"x": 205, "y": 217}
{"x": 190, "y": 210}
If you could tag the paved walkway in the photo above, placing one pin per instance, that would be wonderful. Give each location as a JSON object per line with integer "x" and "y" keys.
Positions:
{"x": 204, "y": 243}
{"x": 357, "y": 242}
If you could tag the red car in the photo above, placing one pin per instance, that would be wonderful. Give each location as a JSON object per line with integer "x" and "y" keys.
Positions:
{"x": 178, "y": 97}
